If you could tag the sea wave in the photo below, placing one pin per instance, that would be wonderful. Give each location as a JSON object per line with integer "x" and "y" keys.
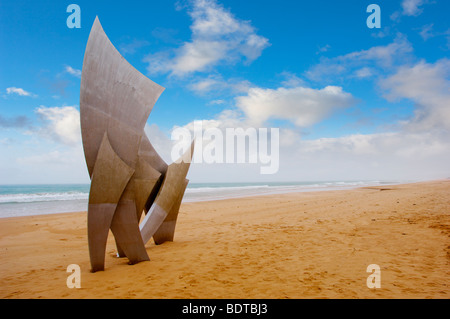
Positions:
{"x": 42, "y": 197}
{"x": 25, "y": 200}
{"x": 193, "y": 192}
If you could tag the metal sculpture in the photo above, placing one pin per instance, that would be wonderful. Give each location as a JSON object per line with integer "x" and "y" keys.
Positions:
{"x": 128, "y": 176}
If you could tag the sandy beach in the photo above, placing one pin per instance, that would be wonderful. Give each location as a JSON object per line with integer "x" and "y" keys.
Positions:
{"x": 297, "y": 245}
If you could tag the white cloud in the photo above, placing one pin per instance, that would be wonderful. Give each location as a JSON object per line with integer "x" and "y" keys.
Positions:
{"x": 160, "y": 141}
{"x": 42, "y": 163}
{"x": 392, "y": 155}
{"x": 216, "y": 102}
{"x": 198, "y": 56}
{"x": 398, "y": 155}
{"x": 323, "y": 49}
{"x": 62, "y": 124}
{"x": 378, "y": 57}
{"x": 428, "y": 86}
{"x": 215, "y": 83}
{"x": 301, "y": 105}
{"x": 132, "y": 47}
{"x": 204, "y": 85}
{"x": 73, "y": 71}
{"x": 418, "y": 149}
{"x": 225, "y": 119}
{"x": 364, "y": 72}
{"x": 159, "y": 62}
{"x": 291, "y": 80}
{"x": 381, "y": 55}
{"x": 52, "y": 157}
{"x": 211, "y": 19}
{"x": 217, "y": 36}
{"x": 427, "y": 31}
{"x": 412, "y": 7}
{"x": 18, "y": 91}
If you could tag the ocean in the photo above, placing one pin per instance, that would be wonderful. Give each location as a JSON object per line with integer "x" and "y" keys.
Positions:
{"x": 27, "y": 200}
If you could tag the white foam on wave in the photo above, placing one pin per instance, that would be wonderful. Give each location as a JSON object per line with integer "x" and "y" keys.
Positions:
{"x": 42, "y": 197}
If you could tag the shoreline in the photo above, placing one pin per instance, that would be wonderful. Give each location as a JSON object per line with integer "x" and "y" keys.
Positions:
{"x": 293, "y": 245}
{"x": 234, "y": 196}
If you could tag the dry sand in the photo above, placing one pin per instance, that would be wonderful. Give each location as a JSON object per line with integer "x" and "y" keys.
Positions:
{"x": 302, "y": 245}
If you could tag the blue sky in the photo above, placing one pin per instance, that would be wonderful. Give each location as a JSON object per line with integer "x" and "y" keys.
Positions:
{"x": 351, "y": 102}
